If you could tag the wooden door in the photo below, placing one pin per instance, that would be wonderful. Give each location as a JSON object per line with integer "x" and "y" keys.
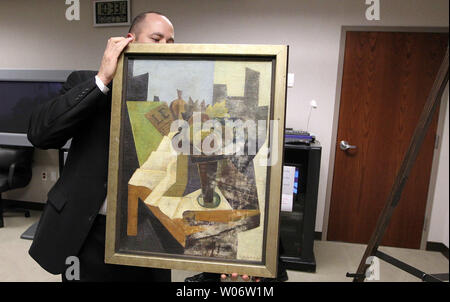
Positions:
{"x": 387, "y": 77}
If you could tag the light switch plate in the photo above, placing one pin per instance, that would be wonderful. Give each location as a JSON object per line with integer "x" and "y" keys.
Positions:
{"x": 290, "y": 80}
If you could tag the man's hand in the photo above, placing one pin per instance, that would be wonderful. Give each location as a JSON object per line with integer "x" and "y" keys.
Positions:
{"x": 234, "y": 277}
{"x": 108, "y": 67}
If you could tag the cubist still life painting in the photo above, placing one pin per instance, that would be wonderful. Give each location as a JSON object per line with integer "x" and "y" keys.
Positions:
{"x": 191, "y": 185}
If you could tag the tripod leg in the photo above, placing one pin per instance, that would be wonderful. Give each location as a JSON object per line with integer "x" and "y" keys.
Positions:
{"x": 402, "y": 176}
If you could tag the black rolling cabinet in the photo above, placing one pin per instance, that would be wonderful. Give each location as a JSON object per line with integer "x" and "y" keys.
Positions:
{"x": 297, "y": 227}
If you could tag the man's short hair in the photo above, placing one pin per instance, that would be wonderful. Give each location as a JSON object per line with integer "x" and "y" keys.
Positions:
{"x": 134, "y": 28}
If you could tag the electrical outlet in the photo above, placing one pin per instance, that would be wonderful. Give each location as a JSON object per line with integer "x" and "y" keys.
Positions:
{"x": 44, "y": 176}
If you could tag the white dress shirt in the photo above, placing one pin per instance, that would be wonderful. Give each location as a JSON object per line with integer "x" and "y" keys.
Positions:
{"x": 103, "y": 88}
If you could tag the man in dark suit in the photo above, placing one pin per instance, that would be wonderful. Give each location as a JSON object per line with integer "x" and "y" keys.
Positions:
{"x": 73, "y": 222}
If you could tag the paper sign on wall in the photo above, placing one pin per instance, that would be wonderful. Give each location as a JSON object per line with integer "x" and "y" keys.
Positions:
{"x": 287, "y": 197}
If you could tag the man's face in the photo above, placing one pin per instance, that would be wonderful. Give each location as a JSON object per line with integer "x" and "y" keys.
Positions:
{"x": 154, "y": 29}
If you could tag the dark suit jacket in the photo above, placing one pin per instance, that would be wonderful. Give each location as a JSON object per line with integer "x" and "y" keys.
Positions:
{"x": 80, "y": 113}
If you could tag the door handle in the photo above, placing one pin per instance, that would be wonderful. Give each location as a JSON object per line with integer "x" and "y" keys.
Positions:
{"x": 344, "y": 145}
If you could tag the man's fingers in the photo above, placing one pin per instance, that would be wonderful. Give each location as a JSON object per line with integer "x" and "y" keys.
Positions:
{"x": 116, "y": 39}
{"x": 125, "y": 42}
{"x": 119, "y": 46}
{"x": 235, "y": 276}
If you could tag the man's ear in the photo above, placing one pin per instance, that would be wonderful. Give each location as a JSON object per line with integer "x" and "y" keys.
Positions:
{"x": 130, "y": 35}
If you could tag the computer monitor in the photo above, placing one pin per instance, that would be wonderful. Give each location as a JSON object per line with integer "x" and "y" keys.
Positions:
{"x": 20, "y": 92}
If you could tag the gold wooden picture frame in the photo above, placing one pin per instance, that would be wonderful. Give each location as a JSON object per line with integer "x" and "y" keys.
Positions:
{"x": 195, "y": 162}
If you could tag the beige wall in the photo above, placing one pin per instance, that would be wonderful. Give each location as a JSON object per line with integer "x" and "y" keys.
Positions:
{"x": 37, "y": 190}
{"x": 35, "y": 34}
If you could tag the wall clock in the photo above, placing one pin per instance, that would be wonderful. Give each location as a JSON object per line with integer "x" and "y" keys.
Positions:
{"x": 112, "y": 12}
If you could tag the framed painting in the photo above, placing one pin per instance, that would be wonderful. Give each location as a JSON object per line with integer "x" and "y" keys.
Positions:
{"x": 195, "y": 163}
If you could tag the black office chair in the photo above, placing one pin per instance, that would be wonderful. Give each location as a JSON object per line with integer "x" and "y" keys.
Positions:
{"x": 15, "y": 172}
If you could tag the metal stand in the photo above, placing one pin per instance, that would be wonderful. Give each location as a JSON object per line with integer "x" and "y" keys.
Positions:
{"x": 383, "y": 220}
